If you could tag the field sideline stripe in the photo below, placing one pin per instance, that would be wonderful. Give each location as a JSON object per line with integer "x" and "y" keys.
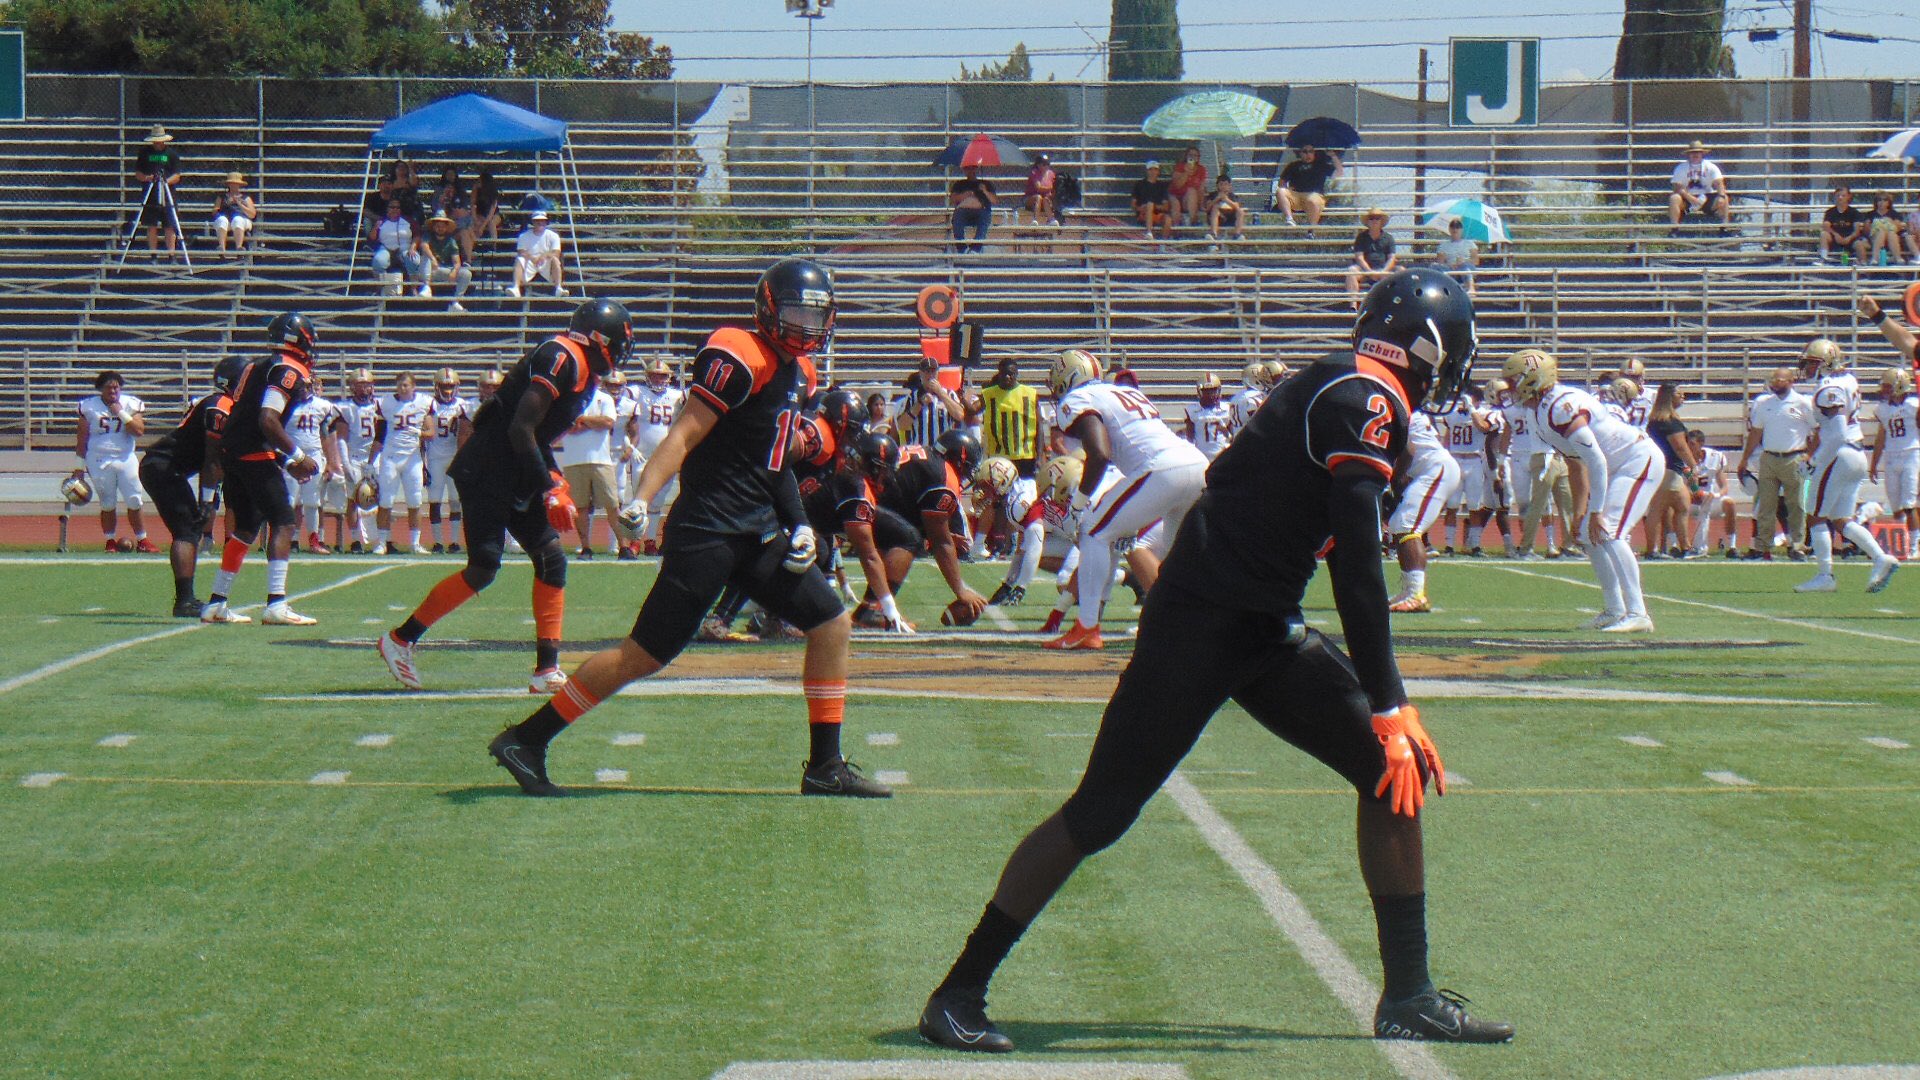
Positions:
{"x": 947, "y": 1070}
{"x": 1410, "y": 1059}
{"x": 71, "y": 662}
{"x": 1781, "y": 619}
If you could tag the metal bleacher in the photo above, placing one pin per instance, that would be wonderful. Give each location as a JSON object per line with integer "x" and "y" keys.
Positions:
{"x": 690, "y": 188}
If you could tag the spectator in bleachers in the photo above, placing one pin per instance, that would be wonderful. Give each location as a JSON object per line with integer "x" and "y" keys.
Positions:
{"x": 1300, "y": 187}
{"x": 972, "y": 201}
{"x": 1188, "y": 187}
{"x": 1843, "y": 228}
{"x": 157, "y": 166}
{"x": 1699, "y": 187}
{"x": 1153, "y": 201}
{"x": 234, "y": 213}
{"x": 1373, "y": 255}
{"x": 485, "y": 203}
{"x": 405, "y": 186}
{"x": 537, "y": 255}
{"x": 1884, "y": 229}
{"x": 1458, "y": 256}
{"x": 441, "y": 250}
{"x": 451, "y": 199}
{"x": 1038, "y": 197}
{"x": 396, "y": 250}
{"x": 1224, "y": 211}
{"x": 1912, "y": 222}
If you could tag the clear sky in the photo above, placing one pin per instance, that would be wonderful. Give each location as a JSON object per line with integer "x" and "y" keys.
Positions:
{"x": 1273, "y": 41}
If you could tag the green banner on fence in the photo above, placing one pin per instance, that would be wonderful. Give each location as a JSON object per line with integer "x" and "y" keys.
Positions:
{"x": 13, "y": 74}
{"x": 1493, "y": 82}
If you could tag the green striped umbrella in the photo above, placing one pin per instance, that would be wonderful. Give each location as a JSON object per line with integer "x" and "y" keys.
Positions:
{"x": 1214, "y": 114}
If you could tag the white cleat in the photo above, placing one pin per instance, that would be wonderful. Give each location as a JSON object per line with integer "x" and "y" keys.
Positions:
{"x": 281, "y": 615}
{"x": 547, "y": 682}
{"x": 220, "y": 613}
{"x": 1817, "y": 583}
{"x": 422, "y": 549}
{"x": 1883, "y": 569}
{"x": 1629, "y": 624}
{"x": 399, "y": 657}
{"x": 1603, "y": 620}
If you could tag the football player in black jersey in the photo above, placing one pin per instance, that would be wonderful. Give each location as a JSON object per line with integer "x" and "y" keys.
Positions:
{"x": 738, "y": 520}
{"x": 509, "y": 485}
{"x": 1302, "y": 479}
{"x": 192, "y": 449}
{"x": 847, "y": 503}
{"x": 924, "y": 493}
{"x": 257, "y": 454}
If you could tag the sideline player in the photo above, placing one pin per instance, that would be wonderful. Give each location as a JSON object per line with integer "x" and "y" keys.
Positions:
{"x": 1621, "y": 466}
{"x": 1539, "y": 482}
{"x": 1429, "y": 474}
{"x": 738, "y": 521}
{"x": 109, "y": 424}
{"x": 508, "y": 485}
{"x": 251, "y": 452}
{"x": 1161, "y": 476}
{"x": 1896, "y": 449}
{"x": 316, "y": 431}
{"x": 1712, "y": 498}
{"x": 1209, "y": 424}
{"x": 401, "y": 465}
{"x": 1256, "y": 382}
{"x": 447, "y": 421}
{"x": 1224, "y": 622}
{"x": 360, "y": 418}
{"x": 1839, "y": 467}
{"x": 1465, "y": 429}
{"x": 657, "y": 403}
{"x": 189, "y": 450}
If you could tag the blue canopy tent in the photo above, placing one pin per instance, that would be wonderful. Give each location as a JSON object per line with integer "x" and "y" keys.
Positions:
{"x": 475, "y": 124}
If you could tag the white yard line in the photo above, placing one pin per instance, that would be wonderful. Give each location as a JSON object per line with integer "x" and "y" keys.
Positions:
{"x": 946, "y": 1070}
{"x": 1731, "y": 779}
{"x": 1309, "y": 938}
{"x": 999, "y": 618}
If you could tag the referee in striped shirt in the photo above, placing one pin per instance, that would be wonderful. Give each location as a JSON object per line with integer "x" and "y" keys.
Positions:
{"x": 928, "y": 409}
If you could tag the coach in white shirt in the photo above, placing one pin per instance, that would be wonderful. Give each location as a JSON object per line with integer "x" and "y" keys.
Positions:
{"x": 1777, "y": 426}
{"x": 536, "y": 254}
{"x": 585, "y": 456}
{"x": 1699, "y": 187}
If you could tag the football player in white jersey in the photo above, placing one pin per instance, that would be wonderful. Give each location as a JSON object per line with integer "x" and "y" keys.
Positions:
{"x": 316, "y": 429}
{"x": 1256, "y": 382}
{"x": 1826, "y": 363}
{"x": 1162, "y": 476}
{"x": 656, "y": 403}
{"x": 1839, "y": 468}
{"x": 449, "y": 417}
{"x": 1427, "y": 475}
{"x": 107, "y": 426}
{"x": 1464, "y": 429}
{"x": 1622, "y": 469}
{"x": 401, "y": 461}
{"x": 1209, "y": 424}
{"x": 1896, "y": 448}
{"x": 360, "y": 414}
{"x": 1539, "y": 488}
{"x": 1713, "y": 497}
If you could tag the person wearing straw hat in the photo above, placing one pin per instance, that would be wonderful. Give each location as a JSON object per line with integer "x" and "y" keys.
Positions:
{"x": 157, "y": 166}
{"x": 1373, "y": 255}
{"x": 443, "y": 262}
{"x": 234, "y": 213}
{"x": 1699, "y": 187}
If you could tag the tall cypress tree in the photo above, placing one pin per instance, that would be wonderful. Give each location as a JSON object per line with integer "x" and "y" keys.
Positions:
{"x": 1663, "y": 40}
{"x": 1143, "y": 42}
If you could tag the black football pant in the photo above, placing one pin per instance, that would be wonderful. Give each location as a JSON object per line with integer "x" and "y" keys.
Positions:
{"x": 698, "y": 567}
{"x": 1191, "y": 657}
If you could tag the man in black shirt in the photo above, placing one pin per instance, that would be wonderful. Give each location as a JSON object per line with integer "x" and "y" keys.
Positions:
{"x": 192, "y": 449}
{"x": 972, "y": 200}
{"x": 157, "y": 166}
{"x": 738, "y": 521}
{"x": 1300, "y": 187}
{"x": 1224, "y": 622}
{"x": 1843, "y": 227}
{"x": 1373, "y": 257}
{"x": 1153, "y": 201}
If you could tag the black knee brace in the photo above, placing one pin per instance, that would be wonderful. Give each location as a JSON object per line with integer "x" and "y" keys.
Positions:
{"x": 550, "y": 564}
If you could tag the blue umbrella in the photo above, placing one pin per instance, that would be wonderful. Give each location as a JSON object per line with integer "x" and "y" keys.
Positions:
{"x": 1323, "y": 131}
{"x": 1478, "y": 220}
{"x": 1902, "y": 144}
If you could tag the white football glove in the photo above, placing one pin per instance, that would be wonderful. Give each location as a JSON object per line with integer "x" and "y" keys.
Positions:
{"x": 633, "y": 518}
{"x": 802, "y": 550}
{"x": 890, "y": 610}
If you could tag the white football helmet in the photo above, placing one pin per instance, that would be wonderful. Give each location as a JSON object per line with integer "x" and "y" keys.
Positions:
{"x": 1530, "y": 372}
{"x": 1071, "y": 368}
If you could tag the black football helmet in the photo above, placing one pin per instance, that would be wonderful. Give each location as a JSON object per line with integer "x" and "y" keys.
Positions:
{"x": 293, "y": 332}
{"x": 876, "y": 454}
{"x": 793, "y": 304}
{"x": 1420, "y": 322}
{"x": 960, "y": 448}
{"x": 838, "y": 408}
{"x": 227, "y": 373}
{"x": 606, "y": 329}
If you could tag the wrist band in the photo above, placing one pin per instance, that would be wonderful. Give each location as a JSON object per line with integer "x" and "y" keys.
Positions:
{"x": 1886, "y": 316}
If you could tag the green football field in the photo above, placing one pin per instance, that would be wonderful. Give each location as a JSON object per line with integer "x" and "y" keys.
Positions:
{"x": 240, "y": 851}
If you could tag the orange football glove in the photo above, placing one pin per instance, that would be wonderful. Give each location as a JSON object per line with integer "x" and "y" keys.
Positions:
{"x": 1411, "y": 760}
{"x": 561, "y": 513}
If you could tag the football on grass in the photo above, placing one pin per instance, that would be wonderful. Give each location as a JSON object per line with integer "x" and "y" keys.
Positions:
{"x": 957, "y": 614}
{"x": 124, "y": 544}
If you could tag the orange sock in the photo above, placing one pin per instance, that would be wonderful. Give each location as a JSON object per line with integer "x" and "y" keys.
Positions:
{"x": 452, "y": 591}
{"x": 573, "y": 701}
{"x": 234, "y": 554}
{"x": 549, "y": 610}
{"x": 826, "y": 701}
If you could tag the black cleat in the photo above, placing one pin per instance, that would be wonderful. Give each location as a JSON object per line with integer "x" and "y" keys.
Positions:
{"x": 358, "y": 548}
{"x": 1007, "y": 596}
{"x": 527, "y": 765}
{"x": 840, "y": 777}
{"x": 453, "y": 549}
{"x": 439, "y": 549}
{"x": 188, "y": 608}
{"x": 1436, "y": 1016}
{"x": 957, "y": 1020}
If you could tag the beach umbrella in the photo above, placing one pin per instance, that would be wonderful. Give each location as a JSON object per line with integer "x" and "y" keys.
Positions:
{"x": 1214, "y": 114}
{"x": 1323, "y": 131}
{"x": 1478, "y": 220}
{"x": 985, "y": 151}
{"x": 1903, "y": 144}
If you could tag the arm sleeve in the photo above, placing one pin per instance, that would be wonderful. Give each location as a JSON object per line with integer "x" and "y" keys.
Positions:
{"x": 1587, "y": 449}
{"x": 1359, "y": 588}
{"x": 786, "y": 500}
{"x": 721, "y": 379}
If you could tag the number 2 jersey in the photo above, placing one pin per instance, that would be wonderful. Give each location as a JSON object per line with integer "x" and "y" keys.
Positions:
{"x": 489, "y": 456}
{"x": 732, "y": 479}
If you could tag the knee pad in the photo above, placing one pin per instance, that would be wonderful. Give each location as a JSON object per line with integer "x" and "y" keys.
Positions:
{"x": 483, "y": 564}
{"x": 549, "y": 564}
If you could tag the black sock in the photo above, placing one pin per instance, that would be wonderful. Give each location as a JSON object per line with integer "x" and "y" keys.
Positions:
{"x": 824, "y": 743}
{"x": 540, "y": 728}
{"x": 546, "y": 654}
{"x": 274, "y": 598}
{"x": 183, "y": 588}
{"x": 989, "y": 944}
{"x": 1402, "y": 922}
{"x": 411, "y": 631}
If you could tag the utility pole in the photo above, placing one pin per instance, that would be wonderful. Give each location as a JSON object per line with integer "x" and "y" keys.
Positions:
{"x": 1803, "y": 39}
{"x": 1420, "y": 147}
{"x": 1802, "y": 91}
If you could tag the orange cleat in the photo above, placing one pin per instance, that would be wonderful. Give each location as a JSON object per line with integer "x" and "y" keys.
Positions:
{"x": 315, "y": 547}
{"x": 113, "y": 546}
{"x": 1077, "y": 637}
{"x": 145, "y": 547}
{"x": 651, "y": 547}
{"x": 1415, "y": 602}
{"x": 1054, "y": 619}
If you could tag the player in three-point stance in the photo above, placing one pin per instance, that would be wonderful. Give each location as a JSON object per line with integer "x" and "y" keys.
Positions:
{"x": 1622, "y": 468}
{"x": 508, "y": 485}
{"x": 738, "y": 520}
{"x": 1224, "y": 622}
{"x": 252, "y": 449}
{"x": 189, "y": 450}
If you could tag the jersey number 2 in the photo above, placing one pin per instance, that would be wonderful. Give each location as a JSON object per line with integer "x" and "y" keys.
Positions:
{"x": 1378, "y": 429}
